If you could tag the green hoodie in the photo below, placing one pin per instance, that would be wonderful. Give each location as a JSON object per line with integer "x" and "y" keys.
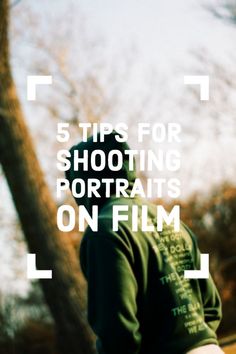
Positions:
{"x": 138, "y": 299}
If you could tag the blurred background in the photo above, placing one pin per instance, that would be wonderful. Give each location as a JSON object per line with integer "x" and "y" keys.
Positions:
{"x": 125, "y": 61}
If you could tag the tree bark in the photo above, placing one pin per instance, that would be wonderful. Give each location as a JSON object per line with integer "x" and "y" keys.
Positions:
{"x": 37, "y": 212}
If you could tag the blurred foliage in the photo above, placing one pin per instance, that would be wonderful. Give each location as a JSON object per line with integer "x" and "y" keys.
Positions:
{"x": 34, "y": 337}
{"x": 224, "y": 10}
{"x": 26, "y": 325}
{"x": 213, "y": 220}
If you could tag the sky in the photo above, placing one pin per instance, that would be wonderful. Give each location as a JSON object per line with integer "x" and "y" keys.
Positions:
{"x": 160, "y": 36}
{"x": 161, "y": 32}
{"x": 164, "y": 31}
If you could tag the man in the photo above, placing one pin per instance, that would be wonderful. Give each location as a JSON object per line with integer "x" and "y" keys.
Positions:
{"x": 138, "y": 299}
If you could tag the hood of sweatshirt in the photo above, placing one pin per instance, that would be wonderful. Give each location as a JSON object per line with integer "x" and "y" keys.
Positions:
{"x": 110, "y": 143}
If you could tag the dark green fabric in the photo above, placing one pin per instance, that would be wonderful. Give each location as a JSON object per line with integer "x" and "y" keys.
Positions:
{"x": 135, "y": 282}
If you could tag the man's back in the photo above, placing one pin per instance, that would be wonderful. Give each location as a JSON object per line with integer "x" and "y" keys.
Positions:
{"x": 138, "y": 298}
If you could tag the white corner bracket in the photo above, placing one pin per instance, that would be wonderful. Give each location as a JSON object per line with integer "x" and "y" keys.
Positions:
{"x": 32, "y": 272}
{"x": 203, "y": 273}
{"x": 33, "y": 81}
{"x": 202, "y": 81}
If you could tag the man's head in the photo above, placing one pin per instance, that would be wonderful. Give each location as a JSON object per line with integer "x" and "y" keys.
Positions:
{"x": 110, "y": 143}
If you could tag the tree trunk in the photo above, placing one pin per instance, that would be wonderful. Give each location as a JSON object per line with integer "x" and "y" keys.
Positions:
{"x": 37, "y": 212}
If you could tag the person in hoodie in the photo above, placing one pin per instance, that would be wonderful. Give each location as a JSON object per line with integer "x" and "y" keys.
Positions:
{"x": 138, "y": 299}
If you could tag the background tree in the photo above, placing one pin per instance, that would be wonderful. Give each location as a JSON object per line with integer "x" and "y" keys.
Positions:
{"x": 37, "y": 211}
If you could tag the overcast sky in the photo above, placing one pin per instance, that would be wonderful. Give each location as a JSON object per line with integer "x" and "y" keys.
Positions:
{"x": 163, "y": 30}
